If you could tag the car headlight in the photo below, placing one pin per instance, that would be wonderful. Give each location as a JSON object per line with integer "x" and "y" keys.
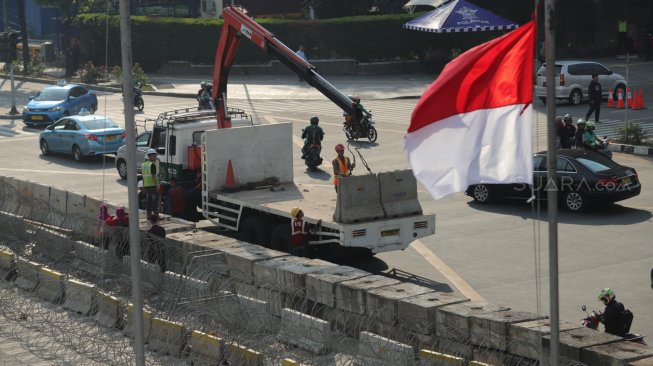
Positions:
{"x": 55, "y": 109}
{"x": 25, "y": 109}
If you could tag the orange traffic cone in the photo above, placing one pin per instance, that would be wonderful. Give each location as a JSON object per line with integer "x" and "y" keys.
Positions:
{"x": 610, "y": 100}
{"x": 620, "y": 100}
{"x": 630, "y": 97}
{"x": 230, "y": 181}
{"x": 636, "y": 103}
{"x": 641, "y": 99}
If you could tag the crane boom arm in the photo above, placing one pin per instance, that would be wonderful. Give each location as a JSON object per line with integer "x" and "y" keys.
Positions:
{"x": 238, "y": 24}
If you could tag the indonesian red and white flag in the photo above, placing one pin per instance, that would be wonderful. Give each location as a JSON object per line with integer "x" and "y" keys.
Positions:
{"x": 473, "y": 124}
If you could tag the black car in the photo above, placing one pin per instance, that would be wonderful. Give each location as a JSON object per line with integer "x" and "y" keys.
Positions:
{"x": 583, "y": 177}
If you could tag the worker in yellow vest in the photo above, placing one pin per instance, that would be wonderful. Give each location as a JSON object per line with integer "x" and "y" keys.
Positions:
{"x": 151, "y": 186}
{"x": 342, "y": 166}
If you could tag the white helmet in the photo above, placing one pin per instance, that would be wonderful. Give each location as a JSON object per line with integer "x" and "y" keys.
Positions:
{"x": 140, "y": 184}
{"x": 151, "y": 152}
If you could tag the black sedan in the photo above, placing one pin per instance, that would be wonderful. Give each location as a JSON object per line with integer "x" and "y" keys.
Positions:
{"x": 583, "y": 177}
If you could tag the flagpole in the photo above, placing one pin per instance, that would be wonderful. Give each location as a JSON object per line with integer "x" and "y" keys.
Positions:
{"x": 552, "y": 192}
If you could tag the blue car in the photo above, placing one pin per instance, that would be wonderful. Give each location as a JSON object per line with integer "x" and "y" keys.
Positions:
{"x": 82, "y": 135}
{"x": 54, "y": 102}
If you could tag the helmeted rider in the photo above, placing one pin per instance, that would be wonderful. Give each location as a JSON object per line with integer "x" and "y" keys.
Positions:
{"x": 360, "y": 113}
{"x": 589, "y": 137}
{"x": 342, "y": 166}
{"x": 206, "y": 101}
{"x": 199, "y": 92}
{"x": 578, "y": 136}
{"x": 566, "y": 131}
{"x": 615, "y": 317}
{"x": 312, "y": 135}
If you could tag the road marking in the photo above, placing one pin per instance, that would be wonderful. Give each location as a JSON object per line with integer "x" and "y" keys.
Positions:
{"x": 102, "y": 173}
{"x": 18, "y": 139}
{"x": 449, "y": 273}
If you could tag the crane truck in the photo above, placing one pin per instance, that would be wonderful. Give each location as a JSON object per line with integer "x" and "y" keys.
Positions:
{"x": 247, "y": 169}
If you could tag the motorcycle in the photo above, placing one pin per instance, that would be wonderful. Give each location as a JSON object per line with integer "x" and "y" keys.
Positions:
{"x": 312, "y": 157}
{"x": 365, "y": 129}
{"x": 205, "y": 104}
{"x": 592, "y": 322}
{"x": 602, "y": 148}
{"x": 138, "y": 98}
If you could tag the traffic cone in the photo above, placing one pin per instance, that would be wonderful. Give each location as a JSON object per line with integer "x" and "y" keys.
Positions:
{"x": 230, "y": 181}
{"x": 610, "y": 99}
{"x": 630, "y": 97}
{"x": 635, "y": 101}
{"x": 620, "y": 100}
{"x": 641, "y": 99}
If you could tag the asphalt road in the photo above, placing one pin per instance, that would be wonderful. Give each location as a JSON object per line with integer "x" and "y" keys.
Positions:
{"x": 495, "y": 252}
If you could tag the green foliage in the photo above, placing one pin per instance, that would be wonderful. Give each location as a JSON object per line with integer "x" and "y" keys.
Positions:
{"x": 138, "y": 75}
{"x": 116, "y": 72}
{"x": 89, "y": 74}
{"x": 632, "y": 133}
{"x": 34, "y": 69}
{"x": 364, "y": 38}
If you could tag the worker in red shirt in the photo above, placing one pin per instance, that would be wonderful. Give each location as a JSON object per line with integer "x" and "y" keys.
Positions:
{"x": 300, "y": 233}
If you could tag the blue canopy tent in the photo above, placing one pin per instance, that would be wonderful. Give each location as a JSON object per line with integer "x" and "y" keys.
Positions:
{"x": 459, "y": 16}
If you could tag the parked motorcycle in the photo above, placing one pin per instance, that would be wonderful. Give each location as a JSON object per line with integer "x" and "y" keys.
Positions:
{"x": 592, "y": 322}
{"x": 138, "y": 98}
{"x": 365, "y": 129}
{"x": 312, "y": 157}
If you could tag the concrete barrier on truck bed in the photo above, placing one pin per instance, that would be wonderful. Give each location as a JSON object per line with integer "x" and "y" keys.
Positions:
{"x": 358, "y": 200}
{"x": 399, "y": 193}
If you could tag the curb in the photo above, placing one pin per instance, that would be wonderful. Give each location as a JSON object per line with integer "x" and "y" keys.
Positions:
{"x": 631, "y": 149}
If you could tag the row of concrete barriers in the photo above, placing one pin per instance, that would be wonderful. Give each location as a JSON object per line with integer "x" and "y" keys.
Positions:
{"x": 355, "y": 301}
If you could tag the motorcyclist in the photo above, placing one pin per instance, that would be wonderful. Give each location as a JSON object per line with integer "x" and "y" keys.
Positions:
{"x": 199, "y": 92}
{"x": 578, "y": 136}
{"x": 565, "y": 131}
{"x": 360, "y": 113}
{"x": 615, "y": 317}
{"x": 206, "y": 101}
{"x": 312, "y": 135}
{"x": 590, "y": 140}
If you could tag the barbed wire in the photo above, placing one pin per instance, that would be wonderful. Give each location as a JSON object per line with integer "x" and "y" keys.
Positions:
{"x": 200, "y": 307}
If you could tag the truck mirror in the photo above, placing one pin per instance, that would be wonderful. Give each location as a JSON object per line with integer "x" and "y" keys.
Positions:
{"x": 172, "y": 147}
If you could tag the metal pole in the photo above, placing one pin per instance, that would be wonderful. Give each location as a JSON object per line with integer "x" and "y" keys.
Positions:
{"x": 13, "y": 110}
{"x": 132, "y": 194}
{"x": 4, "y": 15}
{"x": 552, "y": 191}
{"x": 626, "y": 91}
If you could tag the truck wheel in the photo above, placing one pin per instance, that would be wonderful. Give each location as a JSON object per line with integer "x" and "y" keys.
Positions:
{"x": 280, "y": 238}
{"x": 254, "y": 231}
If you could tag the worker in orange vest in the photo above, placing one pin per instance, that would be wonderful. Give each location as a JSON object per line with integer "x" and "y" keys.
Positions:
{"x": 342, "y": 166}
{"x": 300, "y": 232}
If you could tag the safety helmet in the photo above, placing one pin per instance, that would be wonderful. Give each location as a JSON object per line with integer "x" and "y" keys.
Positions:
{"x": 140, "y": 184}
{"x": 315, "y": 120}
{"x": 151, "y": 152}
{"x": 356, "y": 98}
{"x": 567, "y": 118}
{"x": 203, "y": 84}
{"x": 606, "y": 295}
{"x": 295, "y": 211}
{"x": 340, "y": 147}
{"x": 581, "y": 122}
{"x": 589, "y": 124}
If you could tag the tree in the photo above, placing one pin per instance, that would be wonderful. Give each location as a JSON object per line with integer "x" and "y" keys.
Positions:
{"x": 20, "y": 8}
{"x": 69, "y": 10}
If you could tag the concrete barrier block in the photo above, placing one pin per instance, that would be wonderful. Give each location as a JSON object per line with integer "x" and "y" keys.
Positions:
{"x": 358, "y": 200}
{"x": 382, "y": 303}
{"x": 109, "y": 311}
{"x": 479, "y": 363}
{"x": 167, "y": 336}
{"x": 526, "y": 337}
{"x": 206, "y": 349}
{"x": 7, "y": 265}
{"x": 13, "y": 225}
{"x": 351, "y": 295}
{"x": 93, "y": 260}
{"x": 321, "y": 285}
{"x": 615, "y": 354}
{"x": 376, "y": 350}
{"x": 241, "y": 355}
{"x": 462, "y": 348}
{"x": 454, "y": 321}
{"x": 399, "y": 193}
{"x": 490, "y": 329}
{"x": 184, "y": 286}
{"x": 290, "y": 362}
{"x": 41, "y": 192}
{"x": 304, "y": 331}
{"x": 432, "y": 358}
{"x": 27, "y": 274}
{"x": 574, "y": 340}
{"x": 26, "y": 189}
{"x": 276, "y": 299}
{"x": 52, "y": 244}
{"x": 80, "y": 297}
{"x": 417, "y": 313}
{"x": 241, "y": 259}
{"x": 75, "y": 203}
{"x": 644, "y": 362}
{"x": 51, "y": 285}
{"x": 151, "y": 273}
{"x": 288, "y": 273}
{"x": 128, "y": 329}
{"x": 58, "y": 200}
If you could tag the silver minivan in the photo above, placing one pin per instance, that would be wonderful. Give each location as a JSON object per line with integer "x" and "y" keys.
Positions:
{"x": 573, "y": 77}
